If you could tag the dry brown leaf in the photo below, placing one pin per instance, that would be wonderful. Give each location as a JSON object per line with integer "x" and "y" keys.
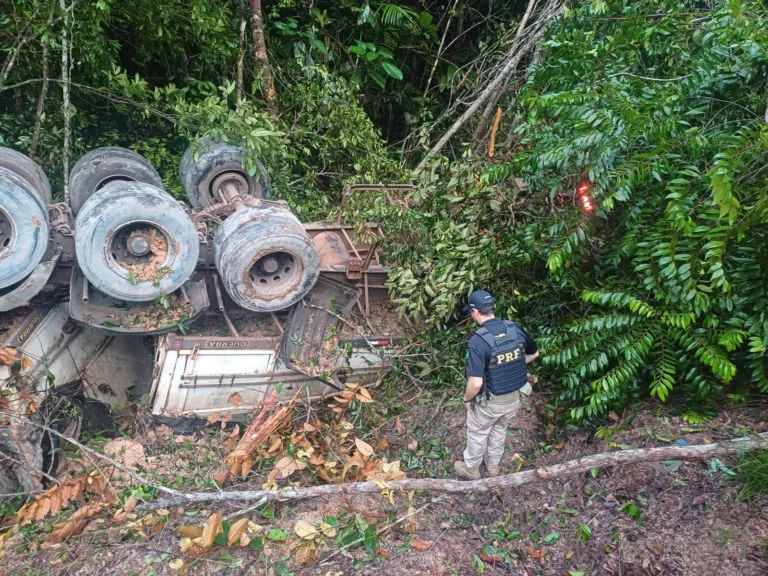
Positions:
{"x": 420, "y": 545}
{"x": 277, "y": 443}
{"x": 363, "y": 395}
{"x": 130, "y": 504}
{"x": 236, "y": 399}
{"x": 75, "y": 525}
{"x": 186, "y": 543}
{"x": 306, "y": 555}
{"x": 213, "y": 527}
{"x": 352, "y": 385}
{"x": 365, "y": 449}
{"x": 236, "y": 531}
{"x": 316, "y": 460}
{"x": 226, "y": 418}
{"x": 309, "y": 428}
{"x": 304, "y": 529}
{"x": 9, "y": 355}
{"x": 27, "y": 362}
{"x": 286, "y": 466}
{"x": 398, "y": 425}
{"x": 536, "y": 554}
{"x": 56, "y": 503}
{"x": 213, "y": 418}
{"x": 413, "y": 446}
{"x": 613, "y": 416}
{"x": 247, "y": 466}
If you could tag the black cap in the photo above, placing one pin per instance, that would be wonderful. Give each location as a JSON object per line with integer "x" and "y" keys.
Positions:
{"x": 479, "y": 299}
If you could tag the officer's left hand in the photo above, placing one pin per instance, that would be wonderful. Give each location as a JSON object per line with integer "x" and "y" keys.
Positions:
{"x": 468, "y": 406}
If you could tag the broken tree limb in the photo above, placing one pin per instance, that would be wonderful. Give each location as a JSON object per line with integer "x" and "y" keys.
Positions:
{"x": 254, "y": 436}
{"x": 138, "y": 477}
{"x": 516, "y": 53}
{"x": 578, "y": 466}
{"x": 492, "y": 145}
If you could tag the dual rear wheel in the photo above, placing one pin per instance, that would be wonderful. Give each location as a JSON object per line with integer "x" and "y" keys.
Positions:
{"x": 135, "y": 242}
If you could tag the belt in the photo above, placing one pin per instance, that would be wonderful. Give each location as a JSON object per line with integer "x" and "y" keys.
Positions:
{"x": 509, "y": 398}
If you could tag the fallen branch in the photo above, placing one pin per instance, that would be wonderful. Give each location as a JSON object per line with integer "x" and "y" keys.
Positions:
{"x": 254, "y": 436}
{"x": 138, "y": 477}
{"x": 348, "y": 323}
{"x": 578, "y": 466}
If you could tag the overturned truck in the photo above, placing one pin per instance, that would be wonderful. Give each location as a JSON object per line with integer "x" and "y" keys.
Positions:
{"x": 197, "y": 309}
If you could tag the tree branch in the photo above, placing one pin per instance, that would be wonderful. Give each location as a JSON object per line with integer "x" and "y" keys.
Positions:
{"x": 648, "y": 78}
{"x": 240, "y": 60}
{"x": 65, "y": 89}
{"x": 514, "y": 57}
{"x": 139, "y": 478}
{"x": 578, "y": 466}
{"x": 452, "y": 9}
{"x": 43, "y": 89}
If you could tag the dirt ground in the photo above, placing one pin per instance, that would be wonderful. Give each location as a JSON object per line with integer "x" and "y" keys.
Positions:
{"x": 668, "y": 518}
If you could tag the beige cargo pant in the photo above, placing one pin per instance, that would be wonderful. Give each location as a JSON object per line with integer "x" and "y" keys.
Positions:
{"x": 487, "y": 429}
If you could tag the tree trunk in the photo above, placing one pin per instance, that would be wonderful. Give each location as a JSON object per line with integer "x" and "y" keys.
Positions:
{"x": 262, "y": 60}
{"x": 240, "y": 61}
{"x": 515, "y": 55}
{"x": 43, "y": 89}
{"x": 65, "y": 90}
{"x": 578, "y": 466}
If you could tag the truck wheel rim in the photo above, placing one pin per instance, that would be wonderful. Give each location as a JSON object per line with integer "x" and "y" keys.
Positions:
{"x": 274, "y": 274}
{"x": 140, "y": 250}
{"x": 7, "y": 234}
{"x": 24, "y": 229}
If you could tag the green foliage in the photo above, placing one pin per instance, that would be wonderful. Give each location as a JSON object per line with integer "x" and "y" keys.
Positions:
{"x": 660, "y": 108}
{"x": 753, "y": 470}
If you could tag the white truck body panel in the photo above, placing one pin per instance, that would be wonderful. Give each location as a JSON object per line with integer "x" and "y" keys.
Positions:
{"x": 190, "y": 375}
{"x": 58, "y": 346}
{"x": 190, "y": 380}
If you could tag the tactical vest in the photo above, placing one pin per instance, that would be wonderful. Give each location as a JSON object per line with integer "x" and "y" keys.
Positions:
{"x": 506, "y": 371}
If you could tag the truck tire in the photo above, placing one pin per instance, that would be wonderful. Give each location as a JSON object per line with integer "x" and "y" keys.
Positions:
{"x": 23, "y": 228}
{"x": 29, "y": 170}
{"x": 266, "y": 260}
{"x": 214, "y": 160}
{"x": 134, "y": 242}
{"x": 107, "y": 165}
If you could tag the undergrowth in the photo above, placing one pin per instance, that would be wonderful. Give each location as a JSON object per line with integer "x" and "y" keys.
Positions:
{"x": 753, "y": 467}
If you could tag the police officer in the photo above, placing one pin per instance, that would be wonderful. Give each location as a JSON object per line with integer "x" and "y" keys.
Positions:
{"x": 497, "y": 355}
